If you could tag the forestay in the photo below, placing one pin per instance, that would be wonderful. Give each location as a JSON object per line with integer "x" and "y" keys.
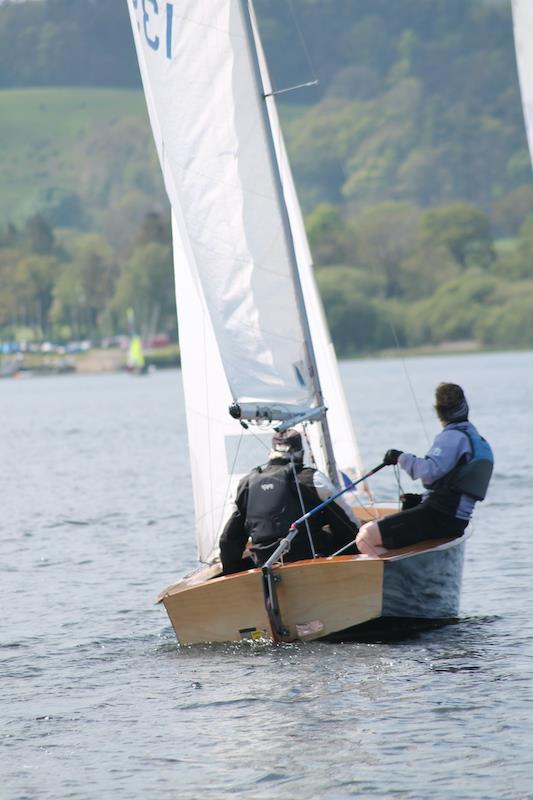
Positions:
{"x": 241, "y": 336}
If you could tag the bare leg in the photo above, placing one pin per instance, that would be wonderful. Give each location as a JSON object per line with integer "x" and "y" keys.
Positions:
{"x": 369, "y": 541}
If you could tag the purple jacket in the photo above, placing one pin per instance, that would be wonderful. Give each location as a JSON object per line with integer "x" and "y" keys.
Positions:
{"x": 447, "y": 449}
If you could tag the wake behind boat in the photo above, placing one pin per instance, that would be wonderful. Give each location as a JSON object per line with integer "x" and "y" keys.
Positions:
{"x": 253, "y": 337}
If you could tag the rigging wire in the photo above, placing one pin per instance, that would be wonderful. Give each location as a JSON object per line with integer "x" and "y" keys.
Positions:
{"x": 340, "y": 163}
{"x": 298, "y": 489}
{"x": 396, "y": 470}
{"x": 302, "y": 506}
{"x": 312, "y": 70}
{"x": 410, "y": 384}
{"x": 333, "y": 511}
{"x": 261, "y": 442}
{"x": 314, "y": 465}
{"x": 305, "y": 49}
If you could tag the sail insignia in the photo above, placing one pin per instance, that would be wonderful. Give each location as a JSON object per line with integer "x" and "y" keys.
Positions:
{"x": 299, "y": 376}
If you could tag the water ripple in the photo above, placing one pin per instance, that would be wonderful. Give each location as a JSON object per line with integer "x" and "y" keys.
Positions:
{"x": 99, "y": 700}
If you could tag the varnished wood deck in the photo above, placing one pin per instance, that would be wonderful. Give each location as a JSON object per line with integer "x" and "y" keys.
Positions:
{"x": 316, "y": 597}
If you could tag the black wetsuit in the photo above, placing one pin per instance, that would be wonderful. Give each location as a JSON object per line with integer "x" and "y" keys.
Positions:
{"x": 267, "y": 503}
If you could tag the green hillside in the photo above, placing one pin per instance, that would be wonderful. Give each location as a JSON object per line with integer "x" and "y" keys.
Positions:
{"x": 82, "y": 157}
{"x": 410, "y": 159}
{"x": 53, "y": 147}
{"x": 415, "y": 101}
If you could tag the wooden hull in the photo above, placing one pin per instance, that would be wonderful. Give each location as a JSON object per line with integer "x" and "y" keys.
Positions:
{"x": 322, "y": 597}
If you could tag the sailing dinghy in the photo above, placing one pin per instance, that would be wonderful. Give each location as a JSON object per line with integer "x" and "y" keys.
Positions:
{"x": 255, "y": 348}
{"x": 135, "y": 361}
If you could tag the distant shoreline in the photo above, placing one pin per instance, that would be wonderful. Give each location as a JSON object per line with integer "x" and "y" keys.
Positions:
{"x": 92, "y": 362}
{"x": 113, "y": 361}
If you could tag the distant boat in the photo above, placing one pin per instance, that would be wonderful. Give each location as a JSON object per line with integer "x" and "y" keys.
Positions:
{"x": 135, "y": 361}
{"x": 253, "y": 337}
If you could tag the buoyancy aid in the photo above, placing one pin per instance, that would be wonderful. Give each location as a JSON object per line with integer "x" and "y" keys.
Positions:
{"x": 272, "y": 504}
{"x": 470, "y": 477}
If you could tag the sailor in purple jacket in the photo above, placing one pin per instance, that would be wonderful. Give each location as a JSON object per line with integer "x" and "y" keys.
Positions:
{"x": 455, "y": 473}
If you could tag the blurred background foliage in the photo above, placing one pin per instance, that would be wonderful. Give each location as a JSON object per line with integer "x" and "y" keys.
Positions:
{"x": 410, "y": 159}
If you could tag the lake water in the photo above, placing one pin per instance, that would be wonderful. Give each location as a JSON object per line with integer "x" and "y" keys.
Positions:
{"x": 98, "y": 700}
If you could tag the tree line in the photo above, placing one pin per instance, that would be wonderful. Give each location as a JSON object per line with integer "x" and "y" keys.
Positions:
{"x": 394, "y": 275}
{"x": 416, "y": 101}
{"x": 66, "y": 285}
{"x": 410, "y": 159}
{"x": 401, "y": 275}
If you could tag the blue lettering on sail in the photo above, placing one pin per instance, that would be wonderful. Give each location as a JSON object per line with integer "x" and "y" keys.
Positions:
{"x": 150, "y": 8}
{"x": 170, "y": 11}
{"x": 153, "y": 43}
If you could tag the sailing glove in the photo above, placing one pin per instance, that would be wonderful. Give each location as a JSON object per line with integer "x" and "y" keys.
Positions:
{"x": 410, "y": 500}
{"x": 391, "y": 457}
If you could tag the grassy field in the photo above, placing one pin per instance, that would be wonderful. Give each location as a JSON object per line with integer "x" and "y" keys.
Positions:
{"x": 52, "y": 144}
{"x": 45, "y": 135}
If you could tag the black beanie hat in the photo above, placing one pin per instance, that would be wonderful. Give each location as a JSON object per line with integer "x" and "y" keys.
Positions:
{"x": 451, "y": 404}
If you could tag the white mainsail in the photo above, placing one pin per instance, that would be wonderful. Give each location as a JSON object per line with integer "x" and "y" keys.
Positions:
{"x": 242, "y": 338}
{"x": 218, "y": 173}
{"x": 523, "y": 37}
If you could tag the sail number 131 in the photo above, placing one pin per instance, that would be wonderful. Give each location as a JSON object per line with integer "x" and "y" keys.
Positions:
{"x": 151, "y": 9}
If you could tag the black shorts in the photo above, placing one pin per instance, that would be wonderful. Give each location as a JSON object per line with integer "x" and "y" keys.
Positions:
{"x": 416, "y": 524}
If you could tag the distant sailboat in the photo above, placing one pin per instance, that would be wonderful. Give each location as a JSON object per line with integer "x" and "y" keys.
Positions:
{"x": 135, "y": 360}
{"x": 253, "y": 336}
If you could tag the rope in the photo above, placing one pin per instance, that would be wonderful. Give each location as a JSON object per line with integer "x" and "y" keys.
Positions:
{"x": 333, "y": 511}
{"x": 408, "y": 377}
{"x": 400, "y": 488}
{"x": 346, "y": 546}
{"x": 298, "y": 489}
{"x": 261, "y": 442}
{"x": 370, "y": 507}
{"x": 300, "y": 498}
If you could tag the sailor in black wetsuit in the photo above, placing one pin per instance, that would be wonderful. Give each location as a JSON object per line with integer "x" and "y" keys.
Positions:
{"x": 455, "y": 473}
{"x": 270, "y": 498}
